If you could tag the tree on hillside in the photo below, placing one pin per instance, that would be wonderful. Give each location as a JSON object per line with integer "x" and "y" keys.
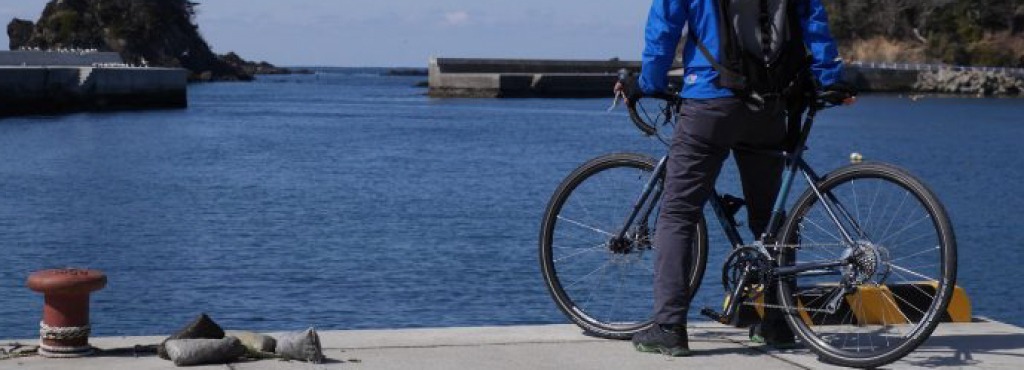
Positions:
{"x": 989, "y": 32}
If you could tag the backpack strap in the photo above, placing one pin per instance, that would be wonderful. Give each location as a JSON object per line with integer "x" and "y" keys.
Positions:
{"x": 728, "y": 78}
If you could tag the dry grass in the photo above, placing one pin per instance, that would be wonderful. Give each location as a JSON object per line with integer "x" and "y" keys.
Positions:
{"x": 1001, "y": 48}
{"x": 880, "y": 49}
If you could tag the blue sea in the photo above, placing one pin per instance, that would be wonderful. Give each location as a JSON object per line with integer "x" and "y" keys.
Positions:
{"x": 348, "y": 199}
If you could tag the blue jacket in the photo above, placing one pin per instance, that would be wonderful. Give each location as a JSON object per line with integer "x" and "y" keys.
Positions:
{"x": 664, "y": 30}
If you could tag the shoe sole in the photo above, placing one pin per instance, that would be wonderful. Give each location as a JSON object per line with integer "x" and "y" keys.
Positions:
{"x": 673, "y": 352}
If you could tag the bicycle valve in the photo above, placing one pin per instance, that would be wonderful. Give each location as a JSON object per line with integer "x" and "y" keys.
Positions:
{"x": 856, "y": 158}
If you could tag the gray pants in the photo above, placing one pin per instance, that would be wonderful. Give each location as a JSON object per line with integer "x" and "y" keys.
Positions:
{"x": 706, "y": 133}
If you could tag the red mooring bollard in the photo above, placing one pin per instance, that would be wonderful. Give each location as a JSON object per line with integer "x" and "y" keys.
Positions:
{"x": 64, "y": 331}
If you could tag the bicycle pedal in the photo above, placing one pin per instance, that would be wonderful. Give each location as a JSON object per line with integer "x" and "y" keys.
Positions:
{"x": 713, "y": 315}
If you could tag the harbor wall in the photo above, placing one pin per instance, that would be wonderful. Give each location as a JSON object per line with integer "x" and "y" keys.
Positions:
{"x": 50, "y": 89}
{"x": 57, "y": 58}
{"x": 523, "y": 78}
{"x": 519, "y": 78}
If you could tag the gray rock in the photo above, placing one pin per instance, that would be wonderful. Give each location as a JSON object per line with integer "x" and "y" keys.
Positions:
{"x": 189, "y": 352}
{"x": 254, "y": 342}
{"x": 982, "y": 83}
{"x": 303, "y": 345}
{"x": 19, "y": 31}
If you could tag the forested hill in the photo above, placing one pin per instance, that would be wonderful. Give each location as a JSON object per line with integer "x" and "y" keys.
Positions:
{"x": 963, "y": 32}
{"x": 154, "y": 32}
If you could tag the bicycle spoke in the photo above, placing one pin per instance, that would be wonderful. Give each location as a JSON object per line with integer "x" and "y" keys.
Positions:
{"x": 911, "y": 240}
{"x": 599, "y": 269}
{"x": 594, "y": 285}
{"x": 937, "y": 248}
{"x": 896, "y": 213}
{"x": 580, "y": 224}
{"x": 871, "y": 208}
{"x": 912, "y": 284}
{"x": 856, "y": 204}
{"x": 815, "y": 224}
{"x": 905, "y": 318}
{"x": 883, "y": 241}
{"x": 901, "y": 299}
{"x": 897, "y": 238}
{"x": 911, "y": 272}
{"x": 598, "y": 248}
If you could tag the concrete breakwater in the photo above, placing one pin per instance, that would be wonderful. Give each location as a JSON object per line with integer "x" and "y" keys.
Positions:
{"x": 981, "y": 83}
{"x": 518, "y": 78}
{"x": 44, "y": 82}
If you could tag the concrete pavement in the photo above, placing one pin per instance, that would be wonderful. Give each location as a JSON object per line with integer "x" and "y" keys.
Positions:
{"x": 988, "y": 345}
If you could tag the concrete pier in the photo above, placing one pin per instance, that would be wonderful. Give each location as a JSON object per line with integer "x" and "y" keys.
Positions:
{"x": 983, "y": 344}
{"x": 71, "y": 82}
{"x": 57, "y": 58}
{"x": 523, "y": 78}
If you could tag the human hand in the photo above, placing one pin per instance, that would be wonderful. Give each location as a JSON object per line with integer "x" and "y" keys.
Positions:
{"x": 838, "y": 94}
{"x": 628, "y": 87}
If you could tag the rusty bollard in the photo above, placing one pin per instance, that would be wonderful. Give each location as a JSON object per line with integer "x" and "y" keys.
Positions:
{"x": 64, "y": 331}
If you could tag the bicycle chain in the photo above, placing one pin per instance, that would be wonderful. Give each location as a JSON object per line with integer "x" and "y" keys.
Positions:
{"x": 798, "y": 246}
{"x": 781, "y": 307}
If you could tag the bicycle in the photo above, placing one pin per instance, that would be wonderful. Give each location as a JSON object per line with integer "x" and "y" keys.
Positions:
{"x": 876, "y": 271}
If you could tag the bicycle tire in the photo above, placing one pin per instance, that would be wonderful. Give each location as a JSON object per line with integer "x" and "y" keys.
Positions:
{"x": 839, "y": 185}
{"x": 580, "y": 314}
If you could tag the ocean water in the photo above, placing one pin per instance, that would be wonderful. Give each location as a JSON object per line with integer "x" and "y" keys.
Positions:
{"x": 350, "y": 200}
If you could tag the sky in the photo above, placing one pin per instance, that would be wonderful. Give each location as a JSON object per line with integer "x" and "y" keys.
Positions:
{"x": 406, "y": 33}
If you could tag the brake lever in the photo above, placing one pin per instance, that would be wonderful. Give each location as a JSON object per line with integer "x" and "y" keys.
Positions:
{"x": 619, "y": 95}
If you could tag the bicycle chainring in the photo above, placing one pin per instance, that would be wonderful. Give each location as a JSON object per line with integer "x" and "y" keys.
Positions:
{"x": 745, "y": 259}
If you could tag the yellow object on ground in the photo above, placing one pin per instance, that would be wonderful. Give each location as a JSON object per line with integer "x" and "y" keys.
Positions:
{"x": 875, "y": 305}
{"x": 894, "y": 304}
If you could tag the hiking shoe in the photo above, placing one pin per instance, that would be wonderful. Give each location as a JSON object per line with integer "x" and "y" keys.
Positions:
{"x": 780, "y": 338}
{"x": 670, "y": 342}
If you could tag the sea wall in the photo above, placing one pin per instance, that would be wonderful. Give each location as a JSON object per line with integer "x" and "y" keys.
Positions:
{"x": 522, "y": 78}
{"x": 515, "y": 78}
{"x": 881, "y": 80}
{"x": 46, "y": 89}
{"x": 53, "y": 58}
{"x": 980, "y": 83}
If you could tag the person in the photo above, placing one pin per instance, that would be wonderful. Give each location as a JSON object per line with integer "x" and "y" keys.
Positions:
{"x": 716, "y": 115}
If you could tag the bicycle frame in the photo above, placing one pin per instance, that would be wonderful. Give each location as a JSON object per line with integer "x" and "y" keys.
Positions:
{"x": 795, "y": 164}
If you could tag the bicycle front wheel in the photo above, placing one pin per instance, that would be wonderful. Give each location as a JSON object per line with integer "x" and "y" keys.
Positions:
{"x": 900, "y": 268}
{"x": 605, "y": 285}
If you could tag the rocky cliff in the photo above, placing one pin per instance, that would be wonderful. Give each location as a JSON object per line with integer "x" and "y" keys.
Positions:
{"x": 155, "y": 32}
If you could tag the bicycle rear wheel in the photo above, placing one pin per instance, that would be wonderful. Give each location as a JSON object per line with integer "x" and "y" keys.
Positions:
{"x": 901, "y": 273}
{"x": 605, "y": 287}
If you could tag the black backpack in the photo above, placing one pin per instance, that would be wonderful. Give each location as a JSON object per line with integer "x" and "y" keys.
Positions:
{"x": 763, "y": 55}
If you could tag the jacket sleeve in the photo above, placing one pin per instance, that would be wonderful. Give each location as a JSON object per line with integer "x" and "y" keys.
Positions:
{"x": 664, "y": 30}
{"x": 827, "y": 65}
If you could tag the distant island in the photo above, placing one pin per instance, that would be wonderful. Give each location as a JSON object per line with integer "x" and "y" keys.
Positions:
{"x": 157, "y": 33}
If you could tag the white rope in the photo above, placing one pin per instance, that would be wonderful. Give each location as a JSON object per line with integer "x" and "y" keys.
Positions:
{"x": 58, "y": 333}
{"x": 64, "y": 352}
{"x": 63, "y": 333}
